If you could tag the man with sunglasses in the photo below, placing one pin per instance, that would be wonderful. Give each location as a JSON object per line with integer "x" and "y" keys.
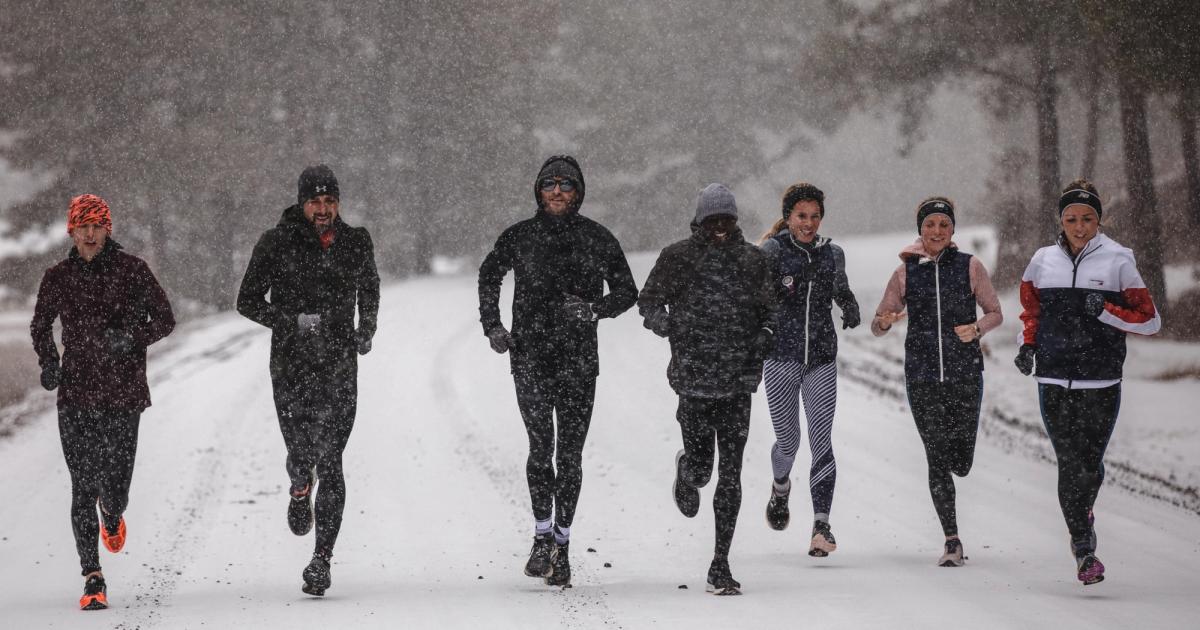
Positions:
{"x": 712, "y": 296}
{"x": 560, "y": 262}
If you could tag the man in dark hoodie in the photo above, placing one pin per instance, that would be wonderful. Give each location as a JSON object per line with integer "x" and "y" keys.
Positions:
{"x": 560, "y": 261}
{"x": 711, "y": 295}
{"x": 316, "y": 269}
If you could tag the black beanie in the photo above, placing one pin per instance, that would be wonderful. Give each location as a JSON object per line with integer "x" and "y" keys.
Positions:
{"x": 1079, "y": 196}
{"x": 802, "y": 192}
{"x": 314, "y": 181}
{"x": 934, "y": 206}
{"x": 563, "y": 166}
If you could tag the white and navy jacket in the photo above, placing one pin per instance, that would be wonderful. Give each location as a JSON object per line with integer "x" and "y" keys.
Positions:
{"x": 1076, "y": 350}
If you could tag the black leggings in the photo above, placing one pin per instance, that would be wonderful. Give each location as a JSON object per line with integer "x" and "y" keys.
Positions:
{"x": 1079, "y": 423}
{"x": 947, "y": 418}
{"x": 99, "y": 447}
{"x": 725, "y": 422}
{"x": 316, "y": 403}
{"x": 554, "y": 468}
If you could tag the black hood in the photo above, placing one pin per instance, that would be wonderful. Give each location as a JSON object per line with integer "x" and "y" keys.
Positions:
{"x": 561, "y": 166}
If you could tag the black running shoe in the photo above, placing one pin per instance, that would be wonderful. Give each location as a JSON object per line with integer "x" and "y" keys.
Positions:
{"x": 720, "y": 579}
{"x": 822, "y": 543}
{"x": 687, "y": 498}
{"x": 778, "y": 515}
{"x": 560, "y": 566}
{"x": 300, "y": 511}
{"x": 539, "y": 564}
{"x": 316, "y": 577}
{"x": 95, "y": 594}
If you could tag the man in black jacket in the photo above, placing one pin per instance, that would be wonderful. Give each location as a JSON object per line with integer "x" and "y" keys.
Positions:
{"x": 711, "y": 295}
{"x": 560, "y": 261}
{"x": 316, "y": 269}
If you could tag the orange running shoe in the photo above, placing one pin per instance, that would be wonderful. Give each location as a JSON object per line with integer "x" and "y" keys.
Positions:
{"x": 94, "y": 597}
{"x": 113, "y": 542}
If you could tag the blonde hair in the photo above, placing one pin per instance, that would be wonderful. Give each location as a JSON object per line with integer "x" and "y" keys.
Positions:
{"x": 773, "y": 230}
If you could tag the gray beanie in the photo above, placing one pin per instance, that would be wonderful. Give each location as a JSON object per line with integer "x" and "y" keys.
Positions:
{"x": 715, "y": 200}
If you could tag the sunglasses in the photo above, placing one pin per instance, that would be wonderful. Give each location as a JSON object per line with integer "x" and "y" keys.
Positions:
{"x": 564, "y": 185}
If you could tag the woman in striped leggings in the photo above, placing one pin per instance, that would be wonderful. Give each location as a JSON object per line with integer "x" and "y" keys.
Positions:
{"x": 810, "y": 275}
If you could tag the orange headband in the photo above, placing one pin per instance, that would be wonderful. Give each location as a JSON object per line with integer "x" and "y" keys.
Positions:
{"x": 87, "y": 209}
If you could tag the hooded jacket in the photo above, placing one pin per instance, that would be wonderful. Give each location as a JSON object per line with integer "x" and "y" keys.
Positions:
{"x": 112, "y": 291}
{"x": 303, "y": 277}
{"x": 718, "y": 297}
{"x": 553, "y": 257}
{"x": 808, "y": 280}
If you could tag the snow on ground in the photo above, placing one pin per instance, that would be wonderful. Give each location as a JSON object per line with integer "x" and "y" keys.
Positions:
{"x": 437, "y": 524}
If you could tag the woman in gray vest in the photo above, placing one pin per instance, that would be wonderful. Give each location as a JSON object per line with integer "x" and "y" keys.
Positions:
{"x": 937, "y": 287}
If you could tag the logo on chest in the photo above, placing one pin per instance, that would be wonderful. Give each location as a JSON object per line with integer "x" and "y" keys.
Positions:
{"x": 1095, "y": 284}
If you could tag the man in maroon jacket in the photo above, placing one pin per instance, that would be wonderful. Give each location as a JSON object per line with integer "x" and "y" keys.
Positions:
{"x": 111, "y": 309}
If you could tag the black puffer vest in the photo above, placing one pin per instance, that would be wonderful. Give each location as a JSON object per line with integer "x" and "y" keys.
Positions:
{"x": 938, "y": 297}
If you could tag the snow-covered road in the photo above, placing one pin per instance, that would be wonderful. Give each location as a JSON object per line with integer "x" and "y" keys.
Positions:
{"x": 437, "y": 523}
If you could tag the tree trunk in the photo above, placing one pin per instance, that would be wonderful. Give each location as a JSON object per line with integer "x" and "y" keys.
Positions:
{"x": 1091, "y": 141}
{"x": 1140, "y": 221}
{"x": 1191, "y": 163}
{"x": 1046, "y": 98}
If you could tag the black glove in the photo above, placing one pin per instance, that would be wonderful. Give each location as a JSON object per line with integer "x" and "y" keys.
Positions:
{"x": 659, "y": 322}
{"x": 1024, "y": 360}
{"x": 50, "y": 376}
{"x": 851, "y": 318}
{"x": 764, "y": 341}
{"x": 363, "y": 340}
{"x": 1093, "y": 304}
{"x": 119, "y": 342}
{"x": 500, "y": 339}
{"x": 576, "y": 308}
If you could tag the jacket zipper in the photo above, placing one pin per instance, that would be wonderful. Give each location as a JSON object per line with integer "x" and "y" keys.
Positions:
{"x": 1075, "y": 272}
{"x": 807, "y": 302}
{"x": 937, "y": 281}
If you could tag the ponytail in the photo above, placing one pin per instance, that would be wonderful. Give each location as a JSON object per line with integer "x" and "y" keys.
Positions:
{"x": 773, "y": 230}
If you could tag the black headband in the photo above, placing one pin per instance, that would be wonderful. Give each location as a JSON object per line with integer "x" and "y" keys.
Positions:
{"x": 1081, "y": 197}
{"x": 934, "y": 206}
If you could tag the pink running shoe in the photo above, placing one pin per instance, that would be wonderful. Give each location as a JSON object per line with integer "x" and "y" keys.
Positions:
{"x": 1091, "y": 570}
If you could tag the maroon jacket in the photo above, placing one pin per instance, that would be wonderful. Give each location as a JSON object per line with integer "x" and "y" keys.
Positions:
{"x": 114, "y": 290}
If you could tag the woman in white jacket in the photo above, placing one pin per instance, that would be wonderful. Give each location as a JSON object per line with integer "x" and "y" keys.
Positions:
{"x": 1080, "y": 297}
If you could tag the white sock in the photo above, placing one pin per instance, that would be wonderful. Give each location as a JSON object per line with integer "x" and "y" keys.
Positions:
{"x": 542, "y": 527}
{"x": 562, "y": 535}
{"x": 782, "y": 490}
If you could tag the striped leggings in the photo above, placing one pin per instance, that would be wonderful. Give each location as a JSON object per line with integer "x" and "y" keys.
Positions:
{"x": 786, "y": 383}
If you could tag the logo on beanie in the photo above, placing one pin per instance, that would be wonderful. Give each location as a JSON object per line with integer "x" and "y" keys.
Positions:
{"x": 320, "y": 189}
